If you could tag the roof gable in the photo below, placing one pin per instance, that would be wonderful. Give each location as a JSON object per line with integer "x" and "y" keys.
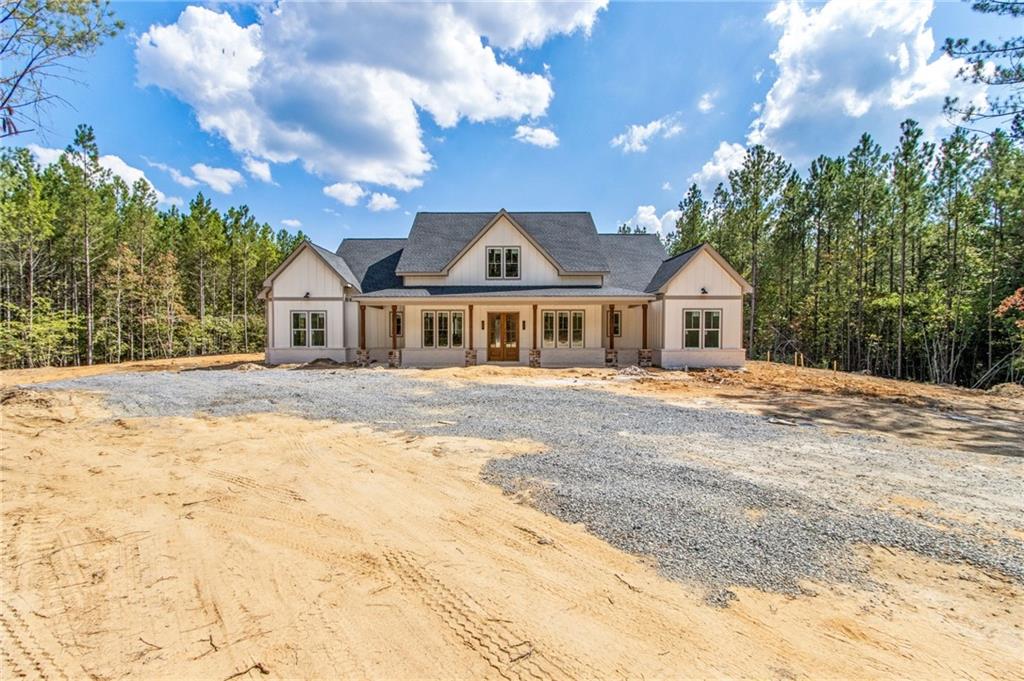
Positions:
{"x": 436, "y": 240}
{"x": 335, "y": 263}
{"x": 672, "y": 267}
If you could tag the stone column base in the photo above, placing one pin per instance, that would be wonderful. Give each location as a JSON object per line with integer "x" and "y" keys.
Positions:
{"x": 362, "y": 358}
{"x": 394, "y": 359}
{"x": 611, "y": 358}
{"x": 646, "y": 358}
{"x": 471, "y": 358}
{"x": 535, "y": 358}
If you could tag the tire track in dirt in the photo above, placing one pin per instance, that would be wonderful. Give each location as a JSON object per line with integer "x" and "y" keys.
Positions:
{"x": 22, "y": 651}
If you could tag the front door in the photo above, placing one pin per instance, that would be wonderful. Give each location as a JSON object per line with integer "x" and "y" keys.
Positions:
{"x": 502, "y": 336}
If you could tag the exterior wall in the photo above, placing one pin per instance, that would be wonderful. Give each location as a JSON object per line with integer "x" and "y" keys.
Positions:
{"x": 573, "y": 357}
{"x": 732, "y": 320}
{"x": 682, "y": 359}
{"x": 308, "y": 274}
{"x": 703, "y": 272}
{"x": 471, "y": 268}
{"x": 280, "y": 349}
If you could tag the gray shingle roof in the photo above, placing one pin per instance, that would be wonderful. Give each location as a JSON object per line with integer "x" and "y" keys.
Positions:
{"x": 337, "y": 264}
{"x": 569, "y": 238}
{"x": 372, "y": 261}
{"x": 668, "y": 269}
{"x": 633, "y": 259}
{"x": 506, "y": 292}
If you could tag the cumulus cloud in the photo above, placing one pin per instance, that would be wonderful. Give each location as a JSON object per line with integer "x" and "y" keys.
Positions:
{"x": 292, "y": 223}
{"x": 380, "y": 201}
{"x": 728, "y": 156}
{"x": 707, "y": 101}
{"x": 115, "y": 164}
{"x": 637, "y": 137}
{"x": 221, "y": 180}
{"x": 347, "y": 193}
{"x": 541, "y": 137}
{"x": 258, "y": 169}
{"x": 300, "y": 84}
{"x": 176, "y": 175}
{"x": 849, "y": 66}
{"x": 647, "y": 217}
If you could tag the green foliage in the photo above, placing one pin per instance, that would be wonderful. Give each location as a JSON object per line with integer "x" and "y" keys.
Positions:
{"x": 91, "y": 270}
{"x": 891, "y": 263}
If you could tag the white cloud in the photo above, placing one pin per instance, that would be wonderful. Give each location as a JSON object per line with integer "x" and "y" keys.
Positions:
{"x": 347, "y": 193}
{"x": 115, "y": 164}
{"x": 258, "y": 169}
{"x": 728, "y": 156}
{"x": 758, "y": 75}
{"x": 666, "y": 186}
{"x": 849, "y": 66}
{"x": 637, "y": 137}
{"x": 291, "y": 222}
{"x": 707, "y": 101}
{"x": 647, "y": 217}
{"x": 541, "y": 137}
{"x": 221, "y": 180}
{"x": 176, "y": 175}
{"x": 300, "y": 84}
{"x": 379, "y": 202}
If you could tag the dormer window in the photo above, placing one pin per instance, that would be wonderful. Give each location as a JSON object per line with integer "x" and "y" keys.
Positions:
{"x": 503, "y": 262}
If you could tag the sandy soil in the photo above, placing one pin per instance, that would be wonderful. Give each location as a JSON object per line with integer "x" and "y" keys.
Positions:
{"x": 188, "y": 548}
{"x": 10, "y": 377}
{"x": 945, "y": 416}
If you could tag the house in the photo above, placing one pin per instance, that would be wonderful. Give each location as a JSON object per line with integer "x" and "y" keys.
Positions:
{"x": 537, "y": 289}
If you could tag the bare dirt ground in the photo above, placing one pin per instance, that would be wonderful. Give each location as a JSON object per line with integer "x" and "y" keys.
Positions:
{"x": 201, "y": 547}
{"x": 11, "y": 377}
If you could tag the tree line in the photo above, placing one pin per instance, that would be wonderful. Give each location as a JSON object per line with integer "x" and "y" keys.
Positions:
{"x": 905, "y": 262}
{"x": 91, "y": 270}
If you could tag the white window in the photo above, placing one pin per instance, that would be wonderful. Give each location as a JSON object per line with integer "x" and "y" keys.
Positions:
{"x": 395, "y": 322}
{"x": 503, "y": 262}
{"x": 548, "y": 337}
{"x": 309, "y": 329}
{"x": 443, "y": 329}
{"x": 702, "y": 329}
{"x": 562, "y": 329}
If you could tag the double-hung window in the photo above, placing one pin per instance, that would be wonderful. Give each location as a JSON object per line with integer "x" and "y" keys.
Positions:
{"x": 395, "y": 322}
{"x": 503, "y": 262}
{"x": 443, "y": 328}
{"x": 702, "y": 329}
{"x": 309, "y": 329}
{"x": 615, "y": 321}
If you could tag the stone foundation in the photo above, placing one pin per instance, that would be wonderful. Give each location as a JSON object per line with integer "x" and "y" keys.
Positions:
{"x": 394, "y": 359}
{"x": 471, "y": 358}
{"x": 362, "y": 358}
{"x": 611, "y": 358}
{"x": 535, "y": 358}
{"x": 646, "y": 358}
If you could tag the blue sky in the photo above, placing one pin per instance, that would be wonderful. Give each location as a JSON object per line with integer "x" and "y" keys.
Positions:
{"x": 347, "y": 119}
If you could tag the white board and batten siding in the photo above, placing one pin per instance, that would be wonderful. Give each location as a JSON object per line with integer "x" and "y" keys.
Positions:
{"x": 683, "y": 292}
{"x": 471, "y": 268}
{"x": 308, "y": 274}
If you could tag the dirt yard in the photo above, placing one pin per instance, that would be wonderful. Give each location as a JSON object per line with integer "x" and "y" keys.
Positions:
{"x": 236, "y": 536}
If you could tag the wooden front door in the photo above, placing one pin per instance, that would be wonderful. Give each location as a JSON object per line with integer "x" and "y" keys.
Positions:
{"x": 502, "y": 336}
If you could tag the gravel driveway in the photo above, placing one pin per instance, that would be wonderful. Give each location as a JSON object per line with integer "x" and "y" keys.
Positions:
{"x": 717, "y": 498}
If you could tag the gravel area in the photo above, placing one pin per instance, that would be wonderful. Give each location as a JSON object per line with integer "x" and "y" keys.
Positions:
{"x": 717, "y": 498}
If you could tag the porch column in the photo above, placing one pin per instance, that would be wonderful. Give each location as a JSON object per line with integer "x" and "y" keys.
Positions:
{"x": 362, "y": 326}
{"x": 534, "y": 327}
{"x": 471, "y": 329}
{"x": 470, "y": 352}
{"x": 611, "y": 326}
{"x": 394, "y": 327}
{"x": 644, "y": 344}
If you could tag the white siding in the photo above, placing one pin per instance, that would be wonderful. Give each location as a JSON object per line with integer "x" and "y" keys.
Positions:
{"x": 471, "y": 268}
{"x": 704, "y": 271}
{"x": 282, "y": 320}
{"x": 307, "y": 273}
{"x": 732, "y": 320}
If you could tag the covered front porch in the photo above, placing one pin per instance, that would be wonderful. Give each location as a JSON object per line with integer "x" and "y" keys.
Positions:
{"x": 555, "y": 331}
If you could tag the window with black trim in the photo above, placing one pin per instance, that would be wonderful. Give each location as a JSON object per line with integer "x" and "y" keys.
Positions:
{"x": 702, "y": 329}
{"x": 503, "y": 262}
{"x": 562, "y": 329}
{"x": 615, "y": 320}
